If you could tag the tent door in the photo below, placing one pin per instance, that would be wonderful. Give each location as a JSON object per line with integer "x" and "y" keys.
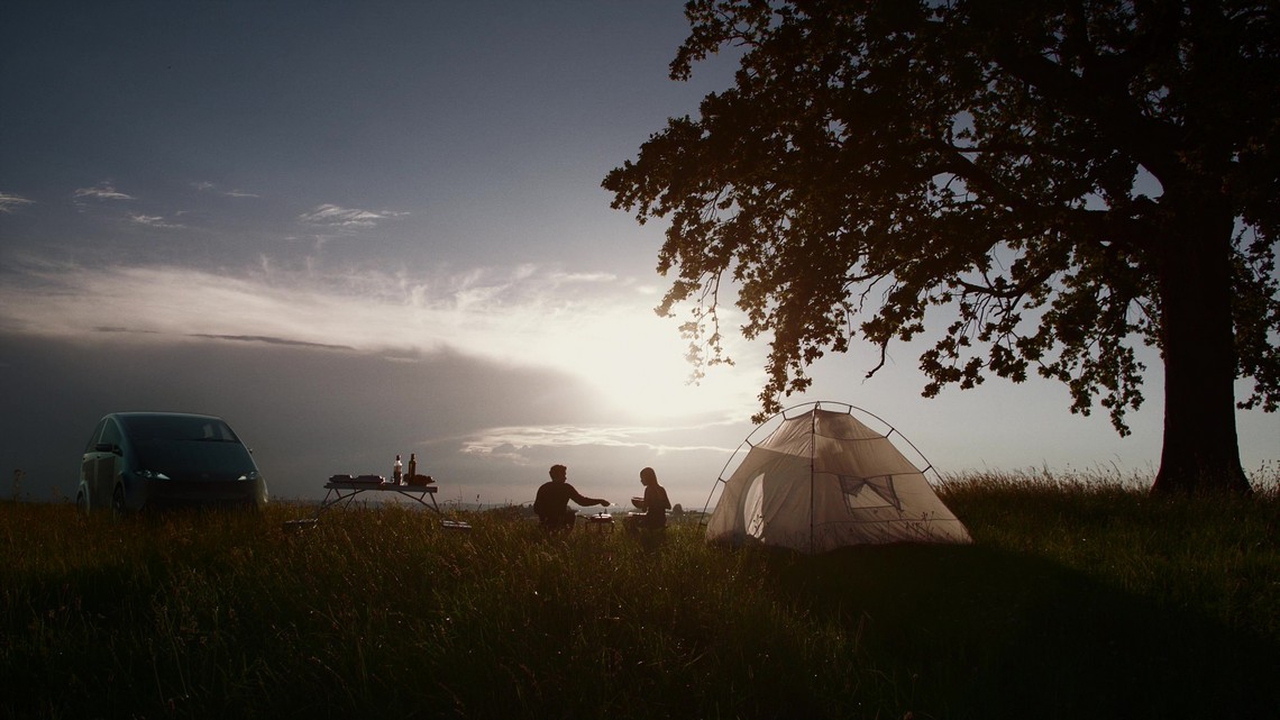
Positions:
{"x": 753, "y": 507}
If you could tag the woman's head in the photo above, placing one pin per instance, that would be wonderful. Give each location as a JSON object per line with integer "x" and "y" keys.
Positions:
{"x": 648, "y": 477}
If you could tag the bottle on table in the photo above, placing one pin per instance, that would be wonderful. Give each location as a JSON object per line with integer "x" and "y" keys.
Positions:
{"x": 397, "y": 471}
{"x": 413, "y": 467}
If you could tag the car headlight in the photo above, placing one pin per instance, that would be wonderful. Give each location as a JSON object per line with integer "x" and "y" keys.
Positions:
{"x": 152, "y": 475}
{"x": 251, "y": 475}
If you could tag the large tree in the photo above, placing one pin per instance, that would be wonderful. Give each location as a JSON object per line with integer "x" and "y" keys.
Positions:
{"x": 1058, "y": 180}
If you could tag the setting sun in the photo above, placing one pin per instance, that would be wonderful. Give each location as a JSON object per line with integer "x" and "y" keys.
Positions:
{"x": 638, "y": 362}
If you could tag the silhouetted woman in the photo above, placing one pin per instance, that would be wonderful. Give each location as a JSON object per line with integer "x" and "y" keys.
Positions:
{"x": 654, "y": 503}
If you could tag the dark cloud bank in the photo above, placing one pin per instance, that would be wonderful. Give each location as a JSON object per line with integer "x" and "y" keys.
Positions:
{"x": 307, "y": 411}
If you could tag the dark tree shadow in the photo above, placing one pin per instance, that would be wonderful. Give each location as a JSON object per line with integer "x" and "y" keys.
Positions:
{"x": 992, "y": 634}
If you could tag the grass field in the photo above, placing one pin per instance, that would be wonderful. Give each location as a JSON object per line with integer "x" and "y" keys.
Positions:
{"x": 1081, "y": 598}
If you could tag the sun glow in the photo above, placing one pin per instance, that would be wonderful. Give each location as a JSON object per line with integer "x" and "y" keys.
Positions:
{"x": 638, "y": 362}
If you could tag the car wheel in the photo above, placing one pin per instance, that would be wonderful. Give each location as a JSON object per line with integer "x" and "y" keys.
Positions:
{"x": 117, "y": 503}
{"x": 82, "y": 504}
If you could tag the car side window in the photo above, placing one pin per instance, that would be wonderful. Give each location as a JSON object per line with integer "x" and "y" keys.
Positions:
{"x": 110, "y": 434}
{"x": 93, "y": 437}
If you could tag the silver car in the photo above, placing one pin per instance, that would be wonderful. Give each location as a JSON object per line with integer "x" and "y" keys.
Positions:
{"x": 138, "y": 460}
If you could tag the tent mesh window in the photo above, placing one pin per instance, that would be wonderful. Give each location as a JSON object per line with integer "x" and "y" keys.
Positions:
{"x": 867, "y": 493}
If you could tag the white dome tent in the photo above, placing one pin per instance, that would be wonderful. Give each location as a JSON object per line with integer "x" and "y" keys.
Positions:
{"x": 823, "y": 479}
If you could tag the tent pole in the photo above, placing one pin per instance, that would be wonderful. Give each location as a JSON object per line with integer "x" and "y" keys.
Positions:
{"x": 813, "y": 432}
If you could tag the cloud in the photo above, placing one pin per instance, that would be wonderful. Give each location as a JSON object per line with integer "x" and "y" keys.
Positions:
{"x": 153, "y": 221}
{"x": 104, "y": 191}
{"x": 592, "y": 327}
{"x": 9, "y": 203}
{"x": 518, "y": 442}
{"x": 272, "y": 341}
{"x": 205, "y": 186}
{"x": 337, "y": 217}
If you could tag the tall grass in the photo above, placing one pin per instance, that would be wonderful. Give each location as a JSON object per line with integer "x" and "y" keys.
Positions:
{"x": 1078, "y": 599}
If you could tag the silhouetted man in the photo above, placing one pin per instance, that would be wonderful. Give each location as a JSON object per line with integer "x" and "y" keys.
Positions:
{"x": 552, "y": 502}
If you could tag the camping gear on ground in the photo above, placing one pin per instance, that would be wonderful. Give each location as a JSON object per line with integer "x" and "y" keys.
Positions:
{"x": 823, "y": 479}
{"x": 600, "y": 522}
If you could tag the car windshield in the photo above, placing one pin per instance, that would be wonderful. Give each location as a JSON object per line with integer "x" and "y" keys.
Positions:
{"x": 178, "y": 444}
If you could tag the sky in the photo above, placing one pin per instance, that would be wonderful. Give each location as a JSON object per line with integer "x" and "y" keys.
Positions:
{"x": 357, "y": 230}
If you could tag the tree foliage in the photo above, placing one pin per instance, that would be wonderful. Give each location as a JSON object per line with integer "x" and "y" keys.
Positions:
{"x": 1034, "y": 173}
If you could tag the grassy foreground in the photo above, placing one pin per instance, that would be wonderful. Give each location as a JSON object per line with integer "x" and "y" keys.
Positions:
{"x": 1077, "y": 600}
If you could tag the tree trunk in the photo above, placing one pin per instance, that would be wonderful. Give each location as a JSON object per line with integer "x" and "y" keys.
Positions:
{"x": 1201, "y": 452}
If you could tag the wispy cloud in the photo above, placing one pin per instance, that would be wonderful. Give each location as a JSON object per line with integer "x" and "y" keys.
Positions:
{"x": 272, "y": 341}
{"x": 205, "y": 186}
{"x": 514, "y": 443}
{"x": 601, "y": 332}
{"x": 153, "y": 221}
{"x": 338, "y": 217}
{"x": 9, "y": 203}
{"x": 103, "y": 191}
